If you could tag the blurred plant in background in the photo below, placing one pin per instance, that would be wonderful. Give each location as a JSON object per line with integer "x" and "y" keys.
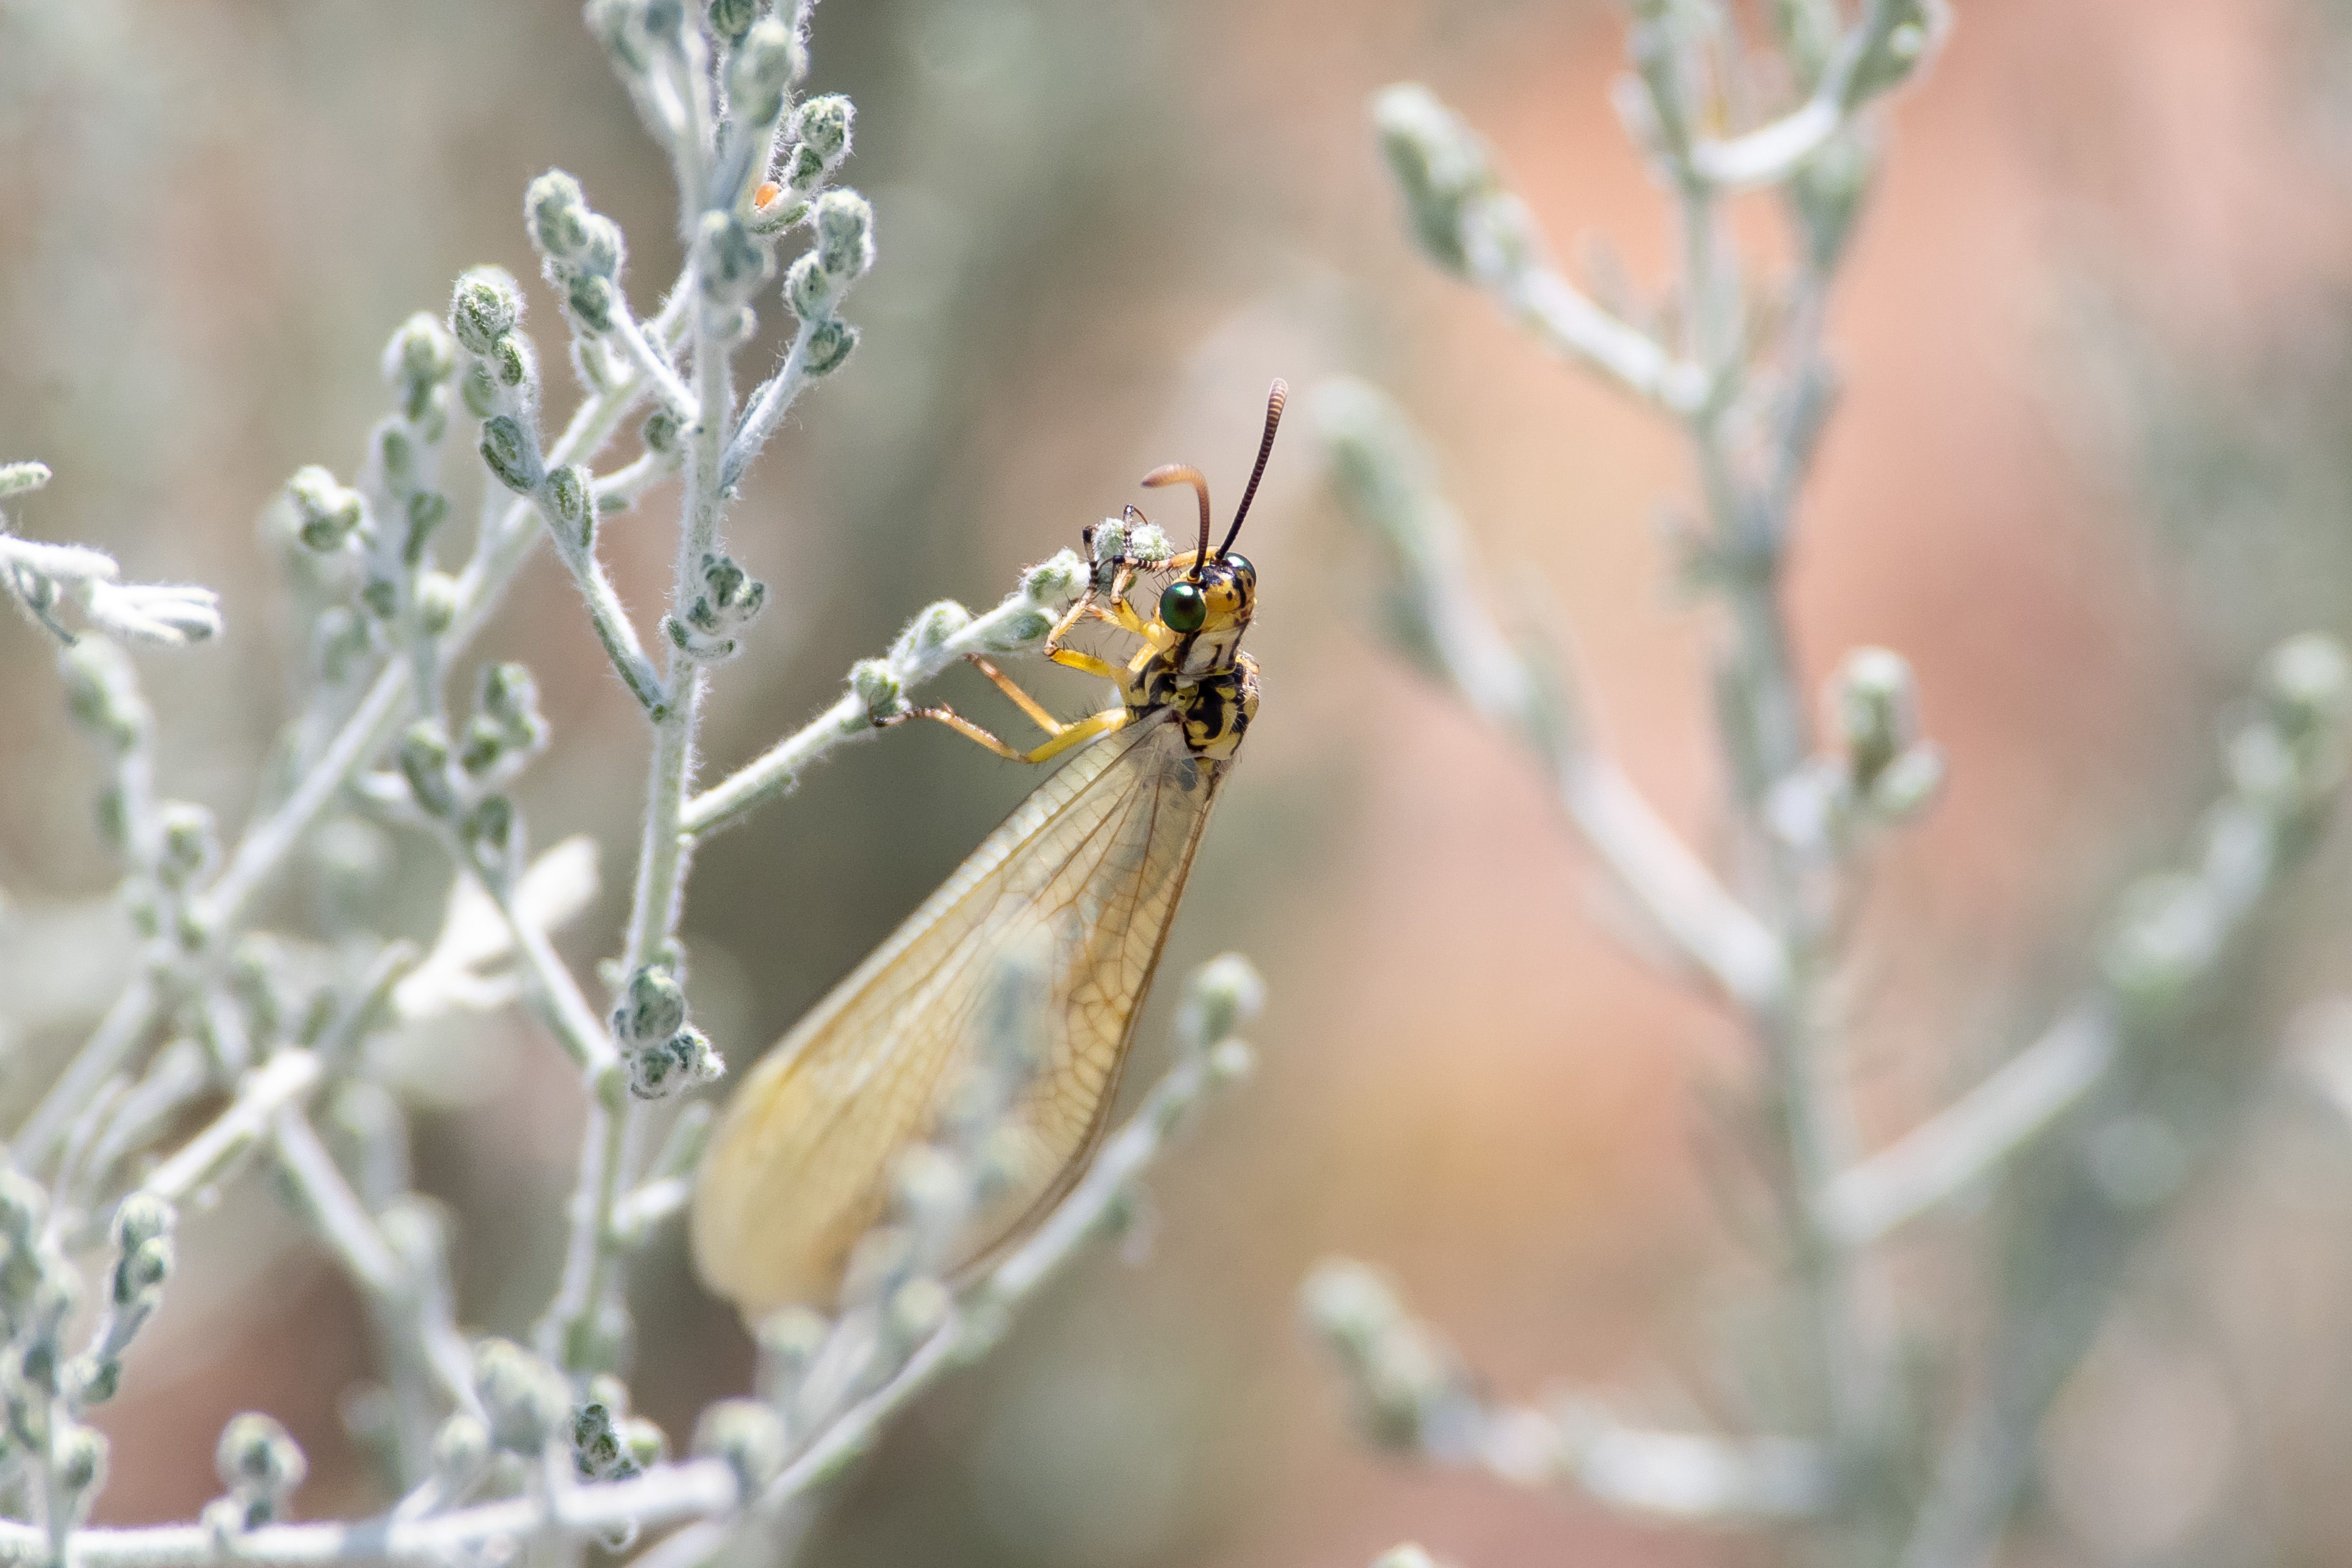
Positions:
{"x": 1851, "y": 1409}
{"x": 236, "y": 1042}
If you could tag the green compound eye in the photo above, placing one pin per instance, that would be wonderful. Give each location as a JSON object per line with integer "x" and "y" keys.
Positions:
{"x": 1182, "y": 607}
{"x": 1239, "y": 563}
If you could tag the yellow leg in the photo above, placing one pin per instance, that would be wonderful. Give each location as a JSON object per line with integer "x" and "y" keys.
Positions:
{"x": 1121, "y": 614}
{"x": 1126, "y": 618}
{"x": 1157, "y": 640}
{"x": 1065, "y": 737}
{"x": 1084, "y": 606}
{"x": 1027, "y": 704}
{"x": 1071, "y": 658}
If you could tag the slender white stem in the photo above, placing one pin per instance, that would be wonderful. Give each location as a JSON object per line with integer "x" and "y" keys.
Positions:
{"x": 286, "y": 1079}
{"x": 1968, "y": 1141}
{"x": 652, "y": 364}
{"x": 342, "y": 1220}
{"x": 764, "y": 413}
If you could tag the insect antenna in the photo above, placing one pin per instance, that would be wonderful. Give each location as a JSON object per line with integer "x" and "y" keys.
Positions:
{"x": 1186, "y": 474}
{"x": 1274, "y": 399}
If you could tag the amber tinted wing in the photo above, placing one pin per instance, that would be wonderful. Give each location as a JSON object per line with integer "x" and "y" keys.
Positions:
{"x": 1096, "y": 860}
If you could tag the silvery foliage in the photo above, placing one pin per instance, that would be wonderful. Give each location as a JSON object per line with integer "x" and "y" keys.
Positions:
{"x": 298, "y": 1050}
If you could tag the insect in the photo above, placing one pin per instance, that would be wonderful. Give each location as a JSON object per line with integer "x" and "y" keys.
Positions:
{"x": 1086, "y": 871}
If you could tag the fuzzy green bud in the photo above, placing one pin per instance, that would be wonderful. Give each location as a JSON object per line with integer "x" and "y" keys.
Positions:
{"x": 1018, "y": 632}
{"x": 493, "y": 833}
{"x": 653, "y": 1008}
{"x": 845, "y": 233}
{"x": 681, "y": 1062}
{"x": 809, "y": 289}
{"x": 821, "y": 127}
{"x": 189, "y": 843}
{"x": 1222, "y": 995}
{"x": 459, "y": 1448}
{"x": 421, "y": 353}
{"x": 1439, "y": 165}
{"x": 730, "y": 263}
{"x": 1875, "y": 704}
{"x": 554, "y": 209}
{"x": 325, "y": 512}
{"x": 80, "y": 1468}
{"x": 436, "y": 602}
{"x": 749, "y": 1436}
{"x": 102, "y": 694}
{"x": 512, "y": 454}
{"x": 526, "y": 1400}
{"x": 425, "y": 762}
{"x": 830, "y": 343}
{"x": 877, "y": 685}
{"x": 513, "y": 366}
{"x": 486, "y": 307}
{"x": 2307, "y": 685}
{"x": 259, "y": 1463}
{"x": 660, "y": 432}
{"x": 761, "y": 72}
{"x": 930, "y": 631}
{"x": 594, "y": 300}
{"x": 427, "y": 510}
{"x": 22, "y": 478}
{"x": 1055, "y": 581}
{"x": 139, "y": 1218}
{"x": 570, "y": 494}
{"x": 730, "y": 19}
{"x": 599, "y": 1453}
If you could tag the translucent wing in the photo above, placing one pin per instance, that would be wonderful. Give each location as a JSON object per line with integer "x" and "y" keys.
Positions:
{"x": 1094, "y": 860}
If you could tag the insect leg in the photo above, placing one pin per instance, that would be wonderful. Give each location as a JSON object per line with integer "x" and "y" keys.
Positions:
{"x": 1085, "y": 729}
{"x": 1065, "y": 737}
{"x": 1071, "y": 658}
{"x": 1028, "y": 704}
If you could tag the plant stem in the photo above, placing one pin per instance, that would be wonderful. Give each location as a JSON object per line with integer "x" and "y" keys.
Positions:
{"x": 609, "y": 1145}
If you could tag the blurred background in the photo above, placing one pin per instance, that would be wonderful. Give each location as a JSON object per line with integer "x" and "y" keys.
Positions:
{"x": 2092, "y": 460}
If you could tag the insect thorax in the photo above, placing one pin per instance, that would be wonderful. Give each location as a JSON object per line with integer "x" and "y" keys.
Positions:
{"x": 1215, "y": 708}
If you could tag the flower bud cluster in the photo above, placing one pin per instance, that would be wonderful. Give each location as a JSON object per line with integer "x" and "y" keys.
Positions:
{"x": 1408, "y": 1388}
{"x": 261, "y": 1466}
{"x": 1891, "y": 771}
{"x": 729, "y": 600}
{"x": 525, "y": 1402}
{"x": 500, "y": 375}
{"x": 458, "y": 784}
{"x": 607, "y": 1442}
{"x": 2286, "y": 766}
{"x": 505, "y": 730}
{"x": 582, "y": 251}
{"x": 1440, "y": 165}
{"x": 168, "y": 847}
{"x": 816, "y": 282}
{"x": 142, "y": 1264}
{"x": 42, "y": 1390}
{"x": 663, "y": 1052}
